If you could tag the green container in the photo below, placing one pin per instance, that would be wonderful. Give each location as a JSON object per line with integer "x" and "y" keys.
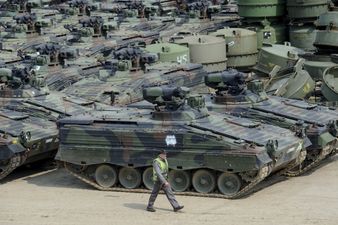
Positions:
{"x": 317, "y": 64}
{"x": 272, "y": 34}
{"x": 328, "y": 19}
{"x": 168, "y": 52}
{"x": 297, "y": 85}
{"x": 239, "y": 41}
{"x": 207, "y": 50}
{"x": 242, "y": 61}
{"x": 330, "y": 84}
{"x": 261, "y": 8}
{"x": 285, "y": 56}
{"x": 303, "y": 36}
{"x": 306, "y": 8}
{"x": 326, "y": 38}
{"x": 241, "y": 46}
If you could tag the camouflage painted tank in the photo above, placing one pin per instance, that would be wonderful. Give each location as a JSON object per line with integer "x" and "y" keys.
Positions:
{"x": 28, "y": 112}
{"x": 24, "y": 139}
{"x": 122, "y": 78}
{"x": 207, "y": 151}
{"x": 318, "y": 123}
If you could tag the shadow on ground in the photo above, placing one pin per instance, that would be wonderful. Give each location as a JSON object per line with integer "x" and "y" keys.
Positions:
{"x": 58, "y": 178}
{"x": 28, "y": 170}
{"x": 139, "y": 206}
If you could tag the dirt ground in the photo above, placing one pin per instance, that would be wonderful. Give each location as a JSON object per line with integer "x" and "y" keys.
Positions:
{"x": 31, "y": 197}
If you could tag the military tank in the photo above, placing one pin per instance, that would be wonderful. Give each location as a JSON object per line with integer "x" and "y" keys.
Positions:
{"x": 206, "y": 150}
{"x": 28, "y": 112}
{"x": 123, "y": 77}
{"x": 318, "y": 123}
{"x": 24, "y": 140}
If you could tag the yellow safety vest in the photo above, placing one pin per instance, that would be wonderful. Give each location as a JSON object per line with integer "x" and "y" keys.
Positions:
{"x": 164, "y": 168}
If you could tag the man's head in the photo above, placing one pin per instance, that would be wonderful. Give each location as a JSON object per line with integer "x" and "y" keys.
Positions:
{"x": 163, "y": 154}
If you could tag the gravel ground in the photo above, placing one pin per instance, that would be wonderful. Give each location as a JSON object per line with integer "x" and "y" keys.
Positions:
{"x": 55, "y": 197}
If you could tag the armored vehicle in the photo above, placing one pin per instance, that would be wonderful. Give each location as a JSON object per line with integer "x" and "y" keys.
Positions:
{"x": 318, "y": 123}
{"x": 123, "y": 77}
{"x": 24, "y": 139}
{"x": 208, "y": 150}
{"x": 28, "y": 112}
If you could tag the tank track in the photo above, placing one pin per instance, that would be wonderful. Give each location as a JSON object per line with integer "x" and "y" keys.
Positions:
{"x": 325, "y": 153}
{"x": 262, "y": 174}
{"x": 17, "y": 160}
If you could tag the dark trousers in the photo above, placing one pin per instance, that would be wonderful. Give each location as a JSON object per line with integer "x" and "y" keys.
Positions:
{"x": 168, "y": 192}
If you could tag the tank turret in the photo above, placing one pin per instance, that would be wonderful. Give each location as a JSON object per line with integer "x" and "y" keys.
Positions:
{"x": 230, "y": 81}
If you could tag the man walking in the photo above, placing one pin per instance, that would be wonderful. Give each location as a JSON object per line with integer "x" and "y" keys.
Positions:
{"x": 160, "y": 177}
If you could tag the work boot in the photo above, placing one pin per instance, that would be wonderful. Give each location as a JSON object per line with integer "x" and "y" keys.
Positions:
{"x": 151, "y": 209}
{"x": 178, "y": 208}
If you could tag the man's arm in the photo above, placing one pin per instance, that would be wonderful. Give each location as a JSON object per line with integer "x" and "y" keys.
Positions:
{"x": 159, "y": 172}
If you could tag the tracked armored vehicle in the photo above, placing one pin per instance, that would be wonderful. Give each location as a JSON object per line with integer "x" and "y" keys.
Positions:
{"x": 28, "y": 112}
{"x": 113, "y": 150}
{"x": 24, "y": 140}
{"x": 318, "y": 123}
{"x": 123, "y": 77}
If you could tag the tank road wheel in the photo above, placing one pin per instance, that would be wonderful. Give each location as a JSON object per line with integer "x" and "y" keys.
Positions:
{"x": 105, "y": 176}
{"x": 203, "y": 181}
{"x": 10, "y": 165}
{"x": 179, "y": 180}
{"x": 130, "y": 177}
{"x": 229, "y": 184}
{"x": 147, "y": 178}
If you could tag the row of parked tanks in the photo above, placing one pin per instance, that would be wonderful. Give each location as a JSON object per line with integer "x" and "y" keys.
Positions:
{"x": 105, "y": 86}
